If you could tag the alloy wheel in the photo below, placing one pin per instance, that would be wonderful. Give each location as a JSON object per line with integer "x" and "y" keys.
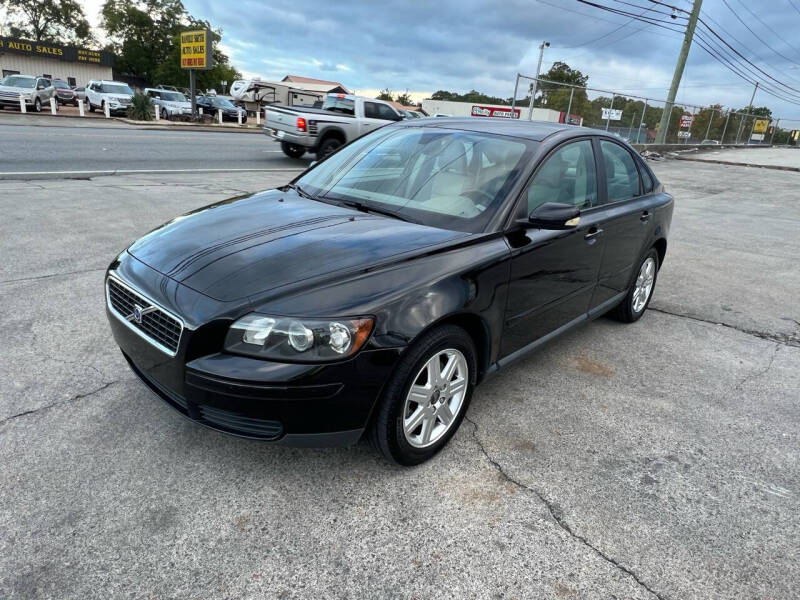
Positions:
{"x": 644, "y": 284}
{"x": 435, "y": 398}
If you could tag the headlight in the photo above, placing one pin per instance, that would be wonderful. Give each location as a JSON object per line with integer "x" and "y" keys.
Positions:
{"x": 287, "y": 338}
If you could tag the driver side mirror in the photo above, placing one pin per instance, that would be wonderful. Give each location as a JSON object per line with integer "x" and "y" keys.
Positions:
{"x": 554, "y": 215}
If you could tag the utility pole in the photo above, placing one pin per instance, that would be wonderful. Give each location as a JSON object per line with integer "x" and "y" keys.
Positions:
{"x": 676, "y": 77}
{"x": 741, "y": 121}
{"x": 535, "y": 83}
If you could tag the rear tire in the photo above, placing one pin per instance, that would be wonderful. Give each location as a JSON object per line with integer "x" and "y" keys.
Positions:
{"x": 292, "y": 150}
{"x": 638, "y": 297}
{"x": 440, "y": 401}
{"x": 328, "y": 147}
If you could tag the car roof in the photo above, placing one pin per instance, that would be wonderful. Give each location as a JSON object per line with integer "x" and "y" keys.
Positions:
{"x": 531, "y": 130}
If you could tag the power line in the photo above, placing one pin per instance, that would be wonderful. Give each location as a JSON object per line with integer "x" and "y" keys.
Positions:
{"x": 794, "y": 6}
{"x": 750, "y": 77}
{"x": 735, "y": 14}
{"x": 757, "y": 18}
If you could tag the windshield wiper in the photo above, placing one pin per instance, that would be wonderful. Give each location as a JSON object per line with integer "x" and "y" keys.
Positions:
{"x": 300, "y": 191}
{"x": 370, "y": 208}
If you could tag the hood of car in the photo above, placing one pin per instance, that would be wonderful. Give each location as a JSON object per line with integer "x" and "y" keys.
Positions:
{"x": 15, "y": 89}
{"x": 245, "y": 247}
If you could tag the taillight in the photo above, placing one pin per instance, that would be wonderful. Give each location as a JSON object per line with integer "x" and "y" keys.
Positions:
{"x": 301, "y": 124}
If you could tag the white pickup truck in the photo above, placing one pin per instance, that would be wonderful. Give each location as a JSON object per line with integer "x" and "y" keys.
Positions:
{"x": 341, "y": 119}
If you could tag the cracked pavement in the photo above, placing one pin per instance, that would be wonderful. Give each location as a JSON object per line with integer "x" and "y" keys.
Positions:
{"x": 655, "y": 460}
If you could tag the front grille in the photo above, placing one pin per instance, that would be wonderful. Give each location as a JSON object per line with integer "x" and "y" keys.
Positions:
{"x": 236, "y": 423}
{"x": 154, "y": 323}
{"x": 5, "y": 94}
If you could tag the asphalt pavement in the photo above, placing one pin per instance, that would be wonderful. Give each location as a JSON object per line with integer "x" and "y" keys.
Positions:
{"x": 54, "y": 150}
{"x": 658, "y": 460}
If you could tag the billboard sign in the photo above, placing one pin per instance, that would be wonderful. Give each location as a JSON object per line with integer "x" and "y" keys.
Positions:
{"x": 493, "y": 111}
{"x": 196, "y": 50}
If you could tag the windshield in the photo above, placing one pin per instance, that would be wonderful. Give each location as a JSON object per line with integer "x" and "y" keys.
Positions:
{"x": 117, "y": 88}
{"x": 336, "y": 104}
{"x": 17, "y": 81}
{"x": 62, "y": 85}
{"x": 173, "y": 97}
{"x": 222, "y": 103}
{"x": 439, "y": 177}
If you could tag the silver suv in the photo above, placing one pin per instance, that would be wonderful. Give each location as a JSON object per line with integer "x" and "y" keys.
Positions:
{"x": 170, "y": 103}
{"x": 36, "y": 91}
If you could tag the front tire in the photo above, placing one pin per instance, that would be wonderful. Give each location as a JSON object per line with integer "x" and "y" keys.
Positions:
{"x": 426, "y": 397}
{"x": 37, "y": 105}
{"x": 638, "y": 298}
{"x": 164, "y": 114}
{"x": 91, "y": 106}
{"x": 292, "y": 150}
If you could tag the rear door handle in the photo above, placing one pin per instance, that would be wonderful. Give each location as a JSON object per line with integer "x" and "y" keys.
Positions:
{"x": 645, "y": 217}
{"x": 593, "y": 233}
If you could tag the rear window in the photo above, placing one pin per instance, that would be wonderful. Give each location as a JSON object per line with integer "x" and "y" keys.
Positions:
{"x": 340, "y": 105}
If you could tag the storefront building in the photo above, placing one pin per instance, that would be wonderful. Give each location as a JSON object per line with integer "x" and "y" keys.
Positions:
{"x": 76, "y": 66}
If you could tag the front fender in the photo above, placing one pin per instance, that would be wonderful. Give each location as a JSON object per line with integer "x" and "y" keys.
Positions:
{"x": 408, "y": 297}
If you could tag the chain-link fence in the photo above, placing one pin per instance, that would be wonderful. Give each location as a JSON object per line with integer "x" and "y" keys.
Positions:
{"x": 638, "y": 118}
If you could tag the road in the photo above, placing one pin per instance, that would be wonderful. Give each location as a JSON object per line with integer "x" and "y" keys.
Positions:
{"x": 48, "y": 149}
{"x": 657, "y": 460}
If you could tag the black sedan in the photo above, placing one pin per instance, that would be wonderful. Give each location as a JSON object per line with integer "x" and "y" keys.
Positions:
{"x": 373, "y": 293}
{"x": 212, "y": 104}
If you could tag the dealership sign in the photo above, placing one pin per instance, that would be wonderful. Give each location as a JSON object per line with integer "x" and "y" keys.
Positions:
{"x": 686, "y": 121}
{"x": 196, "y": 49}
{"x": 493, "y": 111}
{"x": 55, "y": 51}
{"x": 612, "y": 114}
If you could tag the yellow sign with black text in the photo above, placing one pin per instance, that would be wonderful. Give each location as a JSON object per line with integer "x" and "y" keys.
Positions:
{"x": 196, "y": 49}
{"x": 760, "y": 126}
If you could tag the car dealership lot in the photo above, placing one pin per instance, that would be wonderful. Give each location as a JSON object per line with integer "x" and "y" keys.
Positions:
{"x": 660, "y": 459}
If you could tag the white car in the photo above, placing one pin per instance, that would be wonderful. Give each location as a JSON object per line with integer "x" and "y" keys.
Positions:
{"x": 170, "y": 103}
{"x": 116, "y": 94}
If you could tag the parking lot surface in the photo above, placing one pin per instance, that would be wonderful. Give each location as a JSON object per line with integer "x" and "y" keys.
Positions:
{"x": 653, "y": 460}
{"x": 771, "y": 157}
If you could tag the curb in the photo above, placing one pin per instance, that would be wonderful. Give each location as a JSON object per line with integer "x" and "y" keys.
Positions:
{"x": 102, "y": 123}
{"x": 85, "y": 175}
{"x": 736, "y": 164}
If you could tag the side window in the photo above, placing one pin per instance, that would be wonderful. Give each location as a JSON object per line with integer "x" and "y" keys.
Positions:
{"x": 622, "y": 177}
{"x": 371, "y": 110}
{"x": 568, "y": 176}
{"x": 386, "y": 113}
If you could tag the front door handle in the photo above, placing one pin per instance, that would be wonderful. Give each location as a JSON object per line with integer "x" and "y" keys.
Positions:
{"x": 645, "y": 217}
{"x": 593, "y": 233}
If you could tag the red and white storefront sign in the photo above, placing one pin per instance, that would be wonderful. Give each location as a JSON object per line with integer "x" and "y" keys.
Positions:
{"x": 493, "y": 111}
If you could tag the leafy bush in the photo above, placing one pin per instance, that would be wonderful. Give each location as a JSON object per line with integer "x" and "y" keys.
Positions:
{"x": 141, "y": 108}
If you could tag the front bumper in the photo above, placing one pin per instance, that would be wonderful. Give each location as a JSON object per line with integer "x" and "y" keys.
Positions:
{"x": 287, "y": 403}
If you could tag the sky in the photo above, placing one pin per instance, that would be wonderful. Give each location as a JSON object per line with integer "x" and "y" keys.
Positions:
{"x": 423, "y": 46}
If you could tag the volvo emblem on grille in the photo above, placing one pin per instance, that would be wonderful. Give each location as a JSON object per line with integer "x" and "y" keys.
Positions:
{"x": 139, "y": 312}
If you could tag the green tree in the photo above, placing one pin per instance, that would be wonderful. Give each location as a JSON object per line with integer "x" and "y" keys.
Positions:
{"x": 57, "y": 21}
{"x": 386, "y": 95}
{"x": 404, "y": 99}
{"x": 145, "y": 35}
